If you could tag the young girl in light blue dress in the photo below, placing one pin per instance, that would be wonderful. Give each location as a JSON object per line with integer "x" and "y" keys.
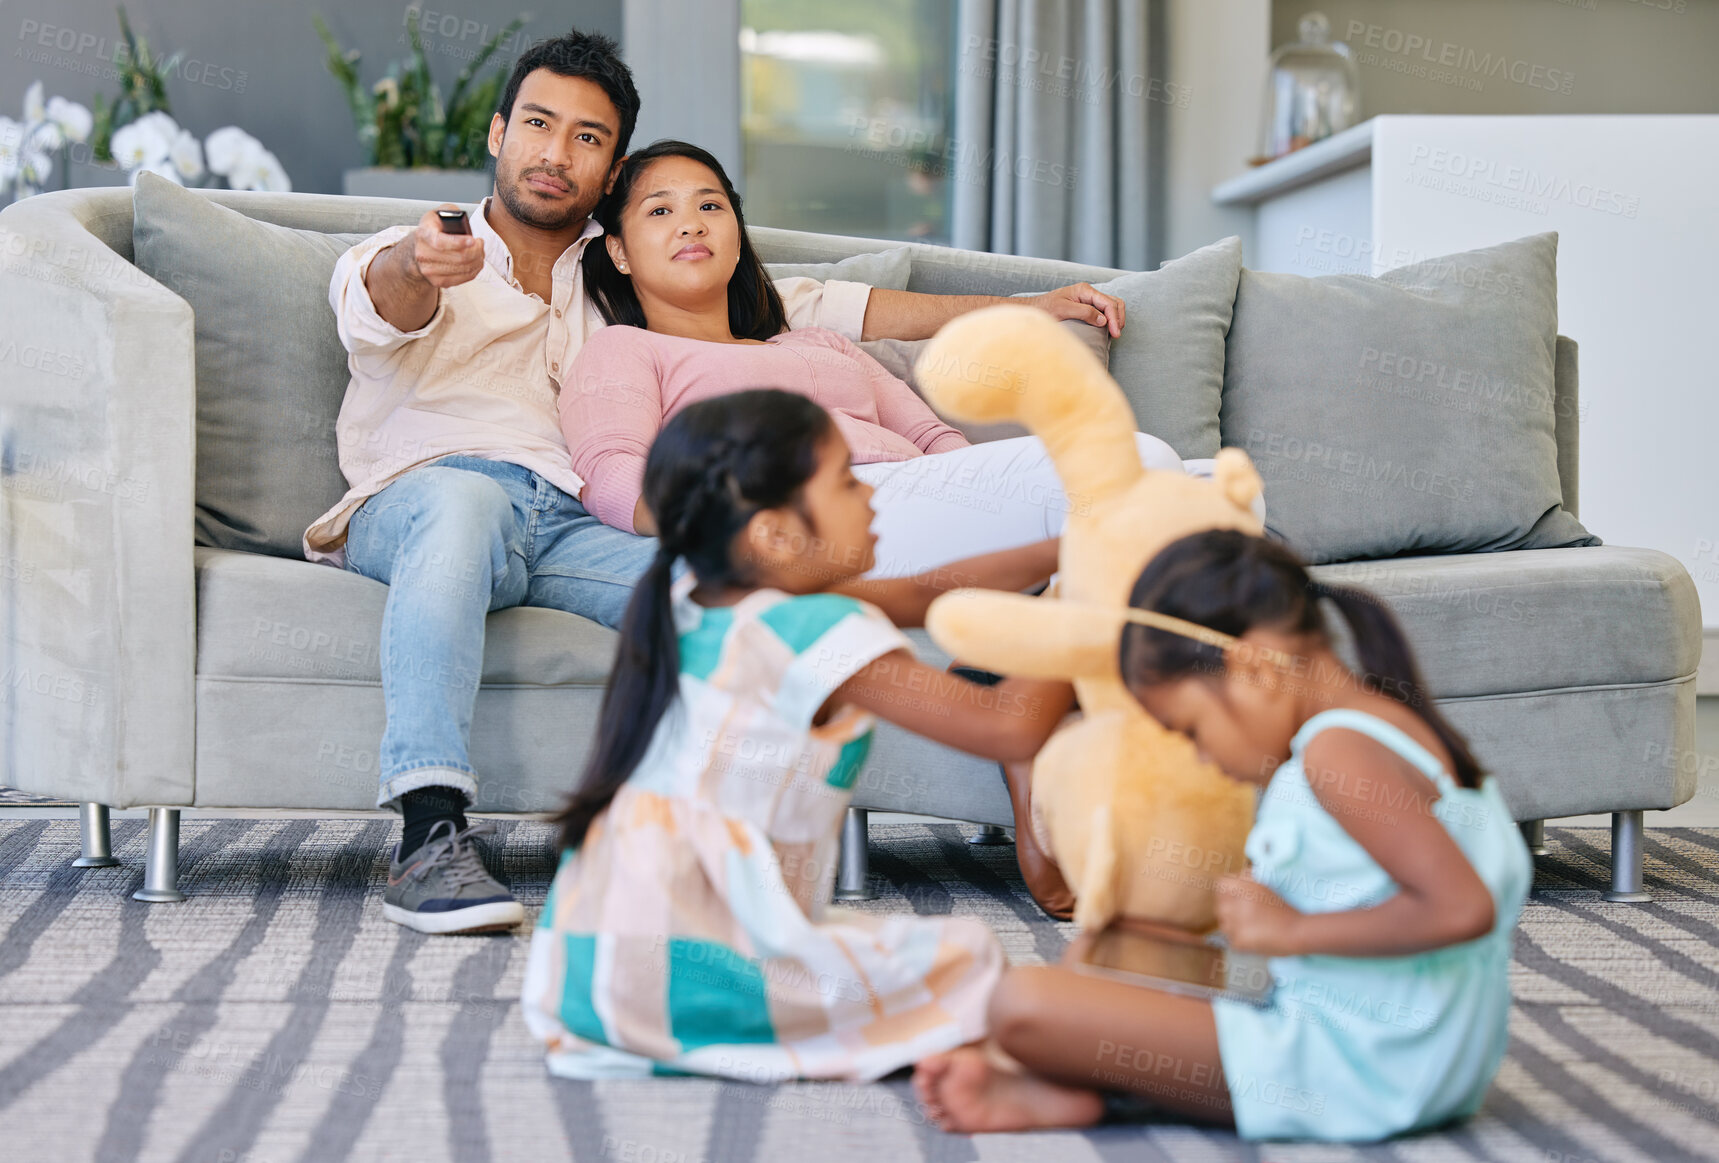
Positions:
{"x": 1386, "y": 880}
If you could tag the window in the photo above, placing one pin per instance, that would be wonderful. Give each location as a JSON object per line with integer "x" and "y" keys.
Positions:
{"x": 846, "y": 109}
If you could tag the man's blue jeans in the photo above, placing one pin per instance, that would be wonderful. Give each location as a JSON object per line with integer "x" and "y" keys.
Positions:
{"x": 454, "y": 540}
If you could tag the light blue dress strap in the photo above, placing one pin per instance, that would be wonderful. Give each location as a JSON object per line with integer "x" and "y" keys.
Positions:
{"x": 1380, "y": 731}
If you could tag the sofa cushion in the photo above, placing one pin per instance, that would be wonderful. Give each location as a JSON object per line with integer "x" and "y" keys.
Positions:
{"x": 1480, "y": 623}
{"x": 271, "y": 372}
{"x": 898, "y": 356}
{"x": 260, "y": 617}
{"x": 1409, "y": 413}
{"x": 1505, "y": 623}
{"x": 889, "y": 269}
{"x": 1169, "y": 358}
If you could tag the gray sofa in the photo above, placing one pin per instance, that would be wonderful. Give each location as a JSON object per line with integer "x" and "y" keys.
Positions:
{"x": 142, "y": 670}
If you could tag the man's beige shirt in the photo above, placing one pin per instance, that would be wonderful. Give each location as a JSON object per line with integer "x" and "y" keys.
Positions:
{"x": 481, "y": 377}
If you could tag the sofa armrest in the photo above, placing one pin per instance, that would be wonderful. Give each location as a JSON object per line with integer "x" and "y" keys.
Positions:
{"x": 97, "y": 431}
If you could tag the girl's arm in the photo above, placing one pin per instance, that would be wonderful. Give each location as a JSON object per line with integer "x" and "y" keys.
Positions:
{"x": 905, "y": 599}
{"x": 1005, "y": 722}
{"x": 1387, "y": 807}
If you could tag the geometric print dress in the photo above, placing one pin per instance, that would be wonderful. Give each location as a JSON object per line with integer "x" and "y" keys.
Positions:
{"x": 689, "y": 933}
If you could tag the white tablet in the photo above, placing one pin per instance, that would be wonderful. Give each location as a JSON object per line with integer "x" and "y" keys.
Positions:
{"x": 1186, "y": 964}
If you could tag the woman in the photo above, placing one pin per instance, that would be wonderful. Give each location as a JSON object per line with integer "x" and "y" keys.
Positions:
{"x": 698, "y": 317}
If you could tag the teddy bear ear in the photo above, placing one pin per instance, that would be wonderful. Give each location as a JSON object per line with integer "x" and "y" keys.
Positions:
{"x": 1095, "y": 896}
{"x": 1237, "y": 477}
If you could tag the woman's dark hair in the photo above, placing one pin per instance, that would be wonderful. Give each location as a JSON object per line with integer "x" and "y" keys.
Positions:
{"x": 1231, "y": 582}
{"x": 754, "y": 308}
{"x": 590, "y": 55}
{"x": 711, "y": 468}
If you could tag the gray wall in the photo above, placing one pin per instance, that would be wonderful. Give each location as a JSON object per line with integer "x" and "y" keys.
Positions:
{"x": 1592, "y": 56}
{"x": 259, "y": 64}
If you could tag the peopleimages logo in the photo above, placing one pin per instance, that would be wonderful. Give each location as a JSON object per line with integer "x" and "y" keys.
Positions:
{"x": 86, "y": 52}
{"x": 1468, "y": 173}
{"x": 1448, "y": 63}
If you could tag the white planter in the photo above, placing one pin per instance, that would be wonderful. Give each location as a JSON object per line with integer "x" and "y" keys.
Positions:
{"x": 424, "y": 185}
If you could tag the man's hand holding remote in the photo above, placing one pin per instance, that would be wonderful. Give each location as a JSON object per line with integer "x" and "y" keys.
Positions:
{"x": 405, "y": 280}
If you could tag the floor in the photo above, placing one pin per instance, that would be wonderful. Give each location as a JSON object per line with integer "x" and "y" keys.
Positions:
{"x": 275, "y": 1016}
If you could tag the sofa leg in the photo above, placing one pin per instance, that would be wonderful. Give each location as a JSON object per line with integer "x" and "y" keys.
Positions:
{"x": 989, "y": 834}
{"x": 161, "y": 859}
{"x": 1534, "y": 833}
{"x": 853, "y": 870}
{"x": 97, "y": 838}
{"x": 1626, "y": 859}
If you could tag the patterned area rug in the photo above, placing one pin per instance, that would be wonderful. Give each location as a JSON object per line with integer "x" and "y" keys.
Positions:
{"x": 275, "y": 1017}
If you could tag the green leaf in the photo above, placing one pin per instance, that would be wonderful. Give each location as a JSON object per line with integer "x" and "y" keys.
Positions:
{"x": 101, "y": 131}
{"x": 344, "y": 66}
{"x": 466, "y": 74}
{"x": 421, "y": 130}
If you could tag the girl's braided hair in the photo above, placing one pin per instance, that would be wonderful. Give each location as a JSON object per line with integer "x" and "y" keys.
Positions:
{"x": 711, "y": 468}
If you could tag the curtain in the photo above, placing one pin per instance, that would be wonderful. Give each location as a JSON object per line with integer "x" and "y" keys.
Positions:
{"x": 1059, "y": 108}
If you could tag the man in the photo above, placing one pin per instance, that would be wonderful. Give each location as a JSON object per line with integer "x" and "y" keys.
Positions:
{"x": 463, "y": 497}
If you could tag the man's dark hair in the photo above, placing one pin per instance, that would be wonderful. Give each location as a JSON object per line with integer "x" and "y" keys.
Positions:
{"x": 590, "y": 55}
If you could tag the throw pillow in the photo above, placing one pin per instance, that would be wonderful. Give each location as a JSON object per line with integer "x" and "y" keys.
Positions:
{"x": 1409, "y": 413}
{"x": 271, "y": 371}
{"x": 888, "y": 269}
{"x": 1169, "y": 358}
{"x": 899, "y": 356}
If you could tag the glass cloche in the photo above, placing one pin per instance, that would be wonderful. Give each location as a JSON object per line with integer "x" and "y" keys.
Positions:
{"x": 1311, "y": 91}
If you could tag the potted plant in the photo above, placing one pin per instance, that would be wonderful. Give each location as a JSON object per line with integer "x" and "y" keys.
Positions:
{"x": 137, "y": 132}
{"x": 417, "y": 145}
{"x": 142, "y": 89}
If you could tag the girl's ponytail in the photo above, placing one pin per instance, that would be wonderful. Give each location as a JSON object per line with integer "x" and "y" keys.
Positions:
{"x": 643, "y": 683}
{"x": 1231, "y": 582}
{"x": 1388, "y": 665}
{"x": 713, "y": 466}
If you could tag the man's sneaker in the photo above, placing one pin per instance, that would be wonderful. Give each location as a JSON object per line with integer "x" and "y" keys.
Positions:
{"x": 443, "y": 887}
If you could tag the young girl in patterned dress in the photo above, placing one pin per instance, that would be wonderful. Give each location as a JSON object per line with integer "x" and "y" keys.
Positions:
{"x": 686, "y": 929}
{"x": 1386, "y": 878}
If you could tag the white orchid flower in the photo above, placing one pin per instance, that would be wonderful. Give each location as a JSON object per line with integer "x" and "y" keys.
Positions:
{"x": 260, "y": 170}
{"x": 11, "y": 143}
{"x": 11, "y": 140}
{"x": 140, "y": 145}
{"x": 47, "y": 137}
{"x": 274, "y": 175}
{"x": 227, "y": 148}
{"x": 38, "y": 167}
{"x": 186, "y": 155}
{"x": 161, "y": 169}
{"x": 34, "y": 110}
{"x": 161, "y": 124}
{"x": 72, "y": 120}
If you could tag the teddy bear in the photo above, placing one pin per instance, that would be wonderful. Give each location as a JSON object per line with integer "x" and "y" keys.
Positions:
{"x": 1141, "y": 826}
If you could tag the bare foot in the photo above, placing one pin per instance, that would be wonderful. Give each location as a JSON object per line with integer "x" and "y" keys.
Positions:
{"x": 928, "y": 1077}
{"x": 967, "y": 1091}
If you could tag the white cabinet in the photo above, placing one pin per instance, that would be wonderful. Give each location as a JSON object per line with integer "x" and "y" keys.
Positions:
{"x": 1635, "y": 202}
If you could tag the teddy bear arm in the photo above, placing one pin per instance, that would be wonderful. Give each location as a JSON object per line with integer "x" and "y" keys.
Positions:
{"x": 1017, "y": 635}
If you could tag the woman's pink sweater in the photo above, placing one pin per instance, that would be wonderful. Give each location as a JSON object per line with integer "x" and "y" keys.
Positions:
{"x": 627, "y": 382}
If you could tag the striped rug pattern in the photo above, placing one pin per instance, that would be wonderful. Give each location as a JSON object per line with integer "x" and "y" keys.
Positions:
{"x": 275, "y": 1017}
